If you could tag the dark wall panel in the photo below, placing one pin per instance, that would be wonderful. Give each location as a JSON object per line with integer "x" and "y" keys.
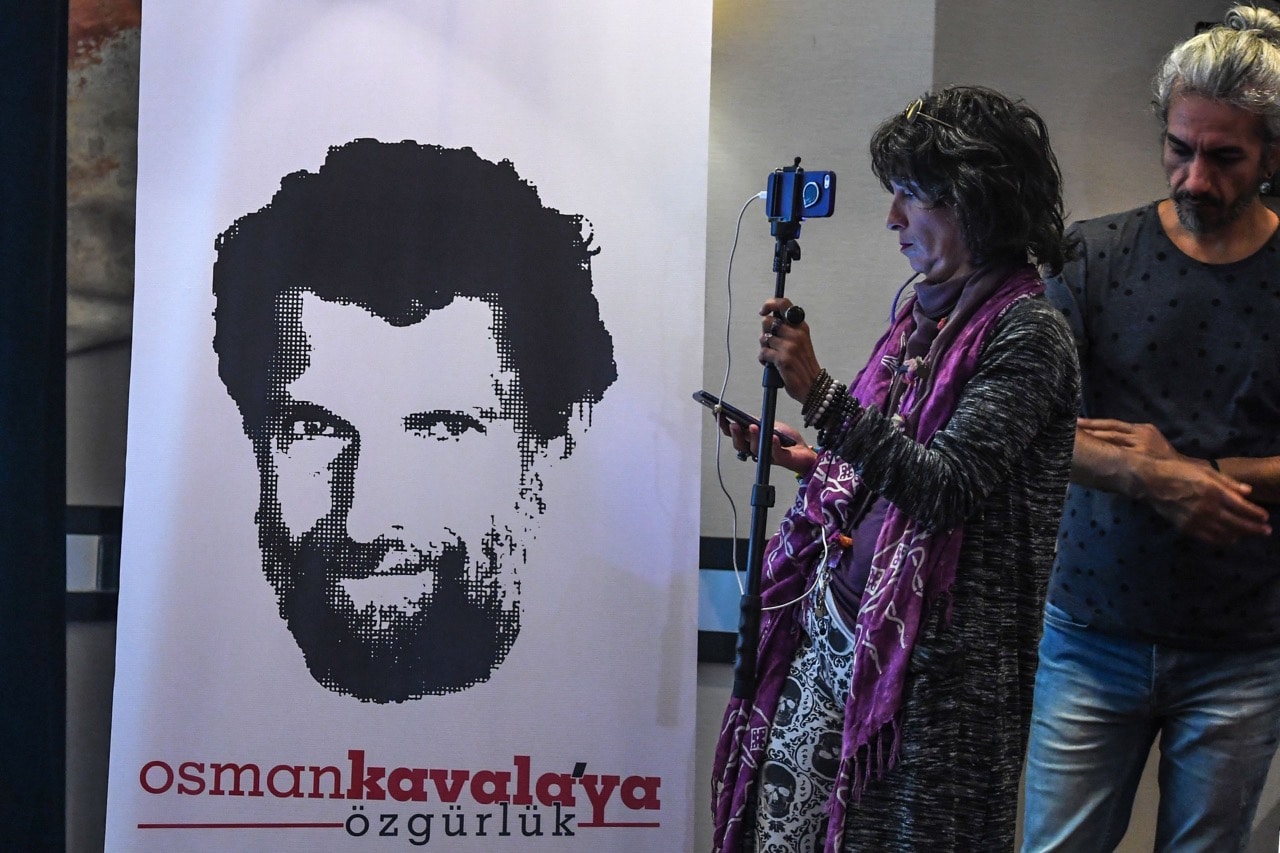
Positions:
{"x": 33, "y": 75}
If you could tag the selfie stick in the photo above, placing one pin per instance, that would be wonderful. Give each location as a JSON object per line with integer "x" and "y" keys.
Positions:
{"x": 784, "y": 216}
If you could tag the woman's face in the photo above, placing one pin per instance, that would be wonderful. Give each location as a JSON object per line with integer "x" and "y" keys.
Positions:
{"x": 928, "y": 235}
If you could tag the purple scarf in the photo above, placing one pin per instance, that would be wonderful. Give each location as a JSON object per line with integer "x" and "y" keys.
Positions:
{"x": 911, "y": 568}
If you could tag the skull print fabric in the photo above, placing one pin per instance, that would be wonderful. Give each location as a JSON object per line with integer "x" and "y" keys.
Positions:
{"x": 803, "y": 757}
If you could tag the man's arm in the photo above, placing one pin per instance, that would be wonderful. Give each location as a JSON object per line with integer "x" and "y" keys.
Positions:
{"x": 1135, "y": 460}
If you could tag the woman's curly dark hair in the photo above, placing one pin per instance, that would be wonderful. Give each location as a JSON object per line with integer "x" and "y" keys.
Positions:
{"x": 988, "y": 158}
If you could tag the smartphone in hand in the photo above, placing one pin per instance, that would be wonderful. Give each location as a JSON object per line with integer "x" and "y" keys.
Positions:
{"x": 737, "y": 415}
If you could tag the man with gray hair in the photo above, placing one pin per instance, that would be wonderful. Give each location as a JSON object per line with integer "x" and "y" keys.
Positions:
{"x": 1163, "y": 609}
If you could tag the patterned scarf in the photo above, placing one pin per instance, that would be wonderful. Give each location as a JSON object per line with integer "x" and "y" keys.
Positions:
{"x": 911, "y": 568}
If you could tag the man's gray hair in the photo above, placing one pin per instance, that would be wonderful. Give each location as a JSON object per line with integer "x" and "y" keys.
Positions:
{"x": 1236, "y": 63}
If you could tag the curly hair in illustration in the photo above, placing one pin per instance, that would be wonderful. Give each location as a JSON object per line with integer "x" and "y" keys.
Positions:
{"x": 406, "y": 333}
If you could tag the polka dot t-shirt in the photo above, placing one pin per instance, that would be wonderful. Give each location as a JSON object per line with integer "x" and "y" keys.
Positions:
{"x": 1193, "y": 349}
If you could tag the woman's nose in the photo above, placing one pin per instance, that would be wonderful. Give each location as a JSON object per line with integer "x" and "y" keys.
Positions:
{"x": 895, "y": 221}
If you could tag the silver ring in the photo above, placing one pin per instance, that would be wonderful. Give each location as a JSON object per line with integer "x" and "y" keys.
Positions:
{"x": 767, "y": 337}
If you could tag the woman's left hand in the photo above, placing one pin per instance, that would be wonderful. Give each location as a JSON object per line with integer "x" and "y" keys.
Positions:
{"x": 798, "y": 457}
{"x": 788, "y": 348}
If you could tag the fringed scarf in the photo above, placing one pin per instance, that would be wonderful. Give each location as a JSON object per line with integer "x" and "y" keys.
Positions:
{"x": 911, "y": 568}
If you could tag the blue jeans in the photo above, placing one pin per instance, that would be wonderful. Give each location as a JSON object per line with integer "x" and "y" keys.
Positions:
{"x": 1101, "y": 700}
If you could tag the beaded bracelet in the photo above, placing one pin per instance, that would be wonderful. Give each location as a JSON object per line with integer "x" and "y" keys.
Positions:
{"x": 821, "y": 395}
{"x": 841, "y": 415}
{"x": 817, "y": 392}
{"x": 821, "y": 409}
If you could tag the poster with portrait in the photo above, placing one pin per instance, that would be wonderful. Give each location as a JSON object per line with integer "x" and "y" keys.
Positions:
{"x": 410, "y": 529}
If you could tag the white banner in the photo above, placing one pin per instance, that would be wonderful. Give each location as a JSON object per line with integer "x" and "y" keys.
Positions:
{"x": 410, "y": 535}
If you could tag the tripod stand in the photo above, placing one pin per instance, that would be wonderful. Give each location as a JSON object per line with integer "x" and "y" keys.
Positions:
{"x": 786, "y": 204}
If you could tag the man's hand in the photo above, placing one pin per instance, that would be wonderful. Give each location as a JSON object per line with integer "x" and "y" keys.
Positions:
{"x": 1143, "y": 438}
{"x": 1138, "y": 461}
{"x": 1202, "y": 502}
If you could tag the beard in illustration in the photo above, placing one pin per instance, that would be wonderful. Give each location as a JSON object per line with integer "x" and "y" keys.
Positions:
{"x": 442, "y": 622}
{"x": 392, "y": 506}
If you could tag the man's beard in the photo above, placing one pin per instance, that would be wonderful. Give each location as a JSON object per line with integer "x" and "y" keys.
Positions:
{"x": 1205, "y": 214}
{"x": 451, "y": 632}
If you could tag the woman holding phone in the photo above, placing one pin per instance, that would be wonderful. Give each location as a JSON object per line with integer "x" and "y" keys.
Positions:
{"x": 903, "y": 591}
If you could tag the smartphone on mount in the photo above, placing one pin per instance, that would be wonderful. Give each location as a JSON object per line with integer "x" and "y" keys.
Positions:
{"x": 816, "y": 196}
{"x": 737, "y": 415}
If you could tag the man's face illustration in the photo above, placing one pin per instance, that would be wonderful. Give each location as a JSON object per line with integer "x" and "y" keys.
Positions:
{"x": 402, "y": 397}
{"x": 392, "y": 515}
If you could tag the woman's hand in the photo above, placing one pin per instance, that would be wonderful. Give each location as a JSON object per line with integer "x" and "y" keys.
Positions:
{"x": 798, "y": 458}
{"x": 788, "y": 348}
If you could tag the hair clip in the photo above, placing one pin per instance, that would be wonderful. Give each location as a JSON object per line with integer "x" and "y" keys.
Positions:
{"x": 916, "y": 108}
